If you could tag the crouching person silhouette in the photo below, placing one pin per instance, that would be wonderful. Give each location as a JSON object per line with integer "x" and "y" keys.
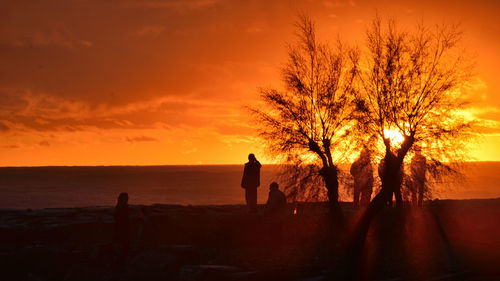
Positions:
{"x": 251, "y": 181}
{"x": 276, "y": 202}
{"x": 276, "y": 211}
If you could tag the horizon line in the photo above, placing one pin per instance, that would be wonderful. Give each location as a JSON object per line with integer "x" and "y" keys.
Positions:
{"x": 160, "y": 165}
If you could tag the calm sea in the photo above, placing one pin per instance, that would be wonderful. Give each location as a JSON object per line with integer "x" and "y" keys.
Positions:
{"x": 44, "y": 187}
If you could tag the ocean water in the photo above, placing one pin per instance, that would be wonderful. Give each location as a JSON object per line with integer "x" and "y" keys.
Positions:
{"x": 54, "y": 187}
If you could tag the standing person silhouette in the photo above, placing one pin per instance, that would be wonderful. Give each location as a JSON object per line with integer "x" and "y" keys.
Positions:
{"x": 362, "y": 171}
{"x": 250, "y": 181}
{"x": 122, "y": 226}
{"x": 386, "y": 172}
{"x": 418, "y": 169}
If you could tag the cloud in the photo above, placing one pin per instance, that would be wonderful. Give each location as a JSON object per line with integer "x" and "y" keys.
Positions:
{"x": 333, "y": 4}
{"x": 3, "y": 127}
{"x": 234, "y": 128}
{"x": 257, "y": 26}
{"x": 176, "y": 4}
{"x": 141, "y": 139}
{"x": 46, "y": 113}
{"x": 338, "y": 4}
{"x": 487, "y": 119}
{"x": 149, "y": 30}
{"x": 253, "y": 29}
{"x": 57, "y": 36}
{"x": 44, "y": 143}
{"x": 10, "y": 146}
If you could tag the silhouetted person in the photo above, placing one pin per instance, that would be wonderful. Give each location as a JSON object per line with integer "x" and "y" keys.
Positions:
{"x": 418, "y": 167}
{"x": 362, "y": 171}
{"x": 385, "y": 169}
{"x": 381, "y": 175}
{"x": 276, "y": 202}
{"x": 122, "y": 225}
{"x": 251, "y": 181}
{"x": 276, "y": 212}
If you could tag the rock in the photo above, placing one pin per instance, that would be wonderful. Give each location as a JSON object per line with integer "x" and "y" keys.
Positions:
{"x": 190, "y": 273}
{"x": 181, "y": 247}
{"x": 314, "y": 278}
{"x": 213, "y": 272}
{"x": 220, "y": 268}
{"x": 82, "y": 273}
{"x": 244, "y": 276}
{"x": 31, "y": 277}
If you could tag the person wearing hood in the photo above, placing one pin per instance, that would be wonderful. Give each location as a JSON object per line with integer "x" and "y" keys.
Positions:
{"x": 251, "y": 181}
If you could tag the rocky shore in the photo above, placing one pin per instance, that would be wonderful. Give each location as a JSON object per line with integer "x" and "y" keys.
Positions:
{"x": 447, "y": 240}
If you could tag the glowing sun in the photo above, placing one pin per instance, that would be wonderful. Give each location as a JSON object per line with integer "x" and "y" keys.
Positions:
{"x": 394, "y": 135}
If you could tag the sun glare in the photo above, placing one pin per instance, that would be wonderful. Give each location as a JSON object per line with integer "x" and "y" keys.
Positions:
{"x": 394, "y": 135}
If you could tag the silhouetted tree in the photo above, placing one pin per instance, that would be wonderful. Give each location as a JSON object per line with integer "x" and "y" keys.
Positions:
{"x": 413, "y": 82}
{"x": 305, "y": 124}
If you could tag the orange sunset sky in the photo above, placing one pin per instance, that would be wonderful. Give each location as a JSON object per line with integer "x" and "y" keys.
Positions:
{"x": 131, "y": 82}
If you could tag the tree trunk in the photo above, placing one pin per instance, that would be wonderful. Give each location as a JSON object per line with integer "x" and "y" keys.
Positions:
{"x": 391, "y": 182}
{"x": 397, "y": 195}
{"x": 330, "y": 177}
{"x": 391, "y": 178}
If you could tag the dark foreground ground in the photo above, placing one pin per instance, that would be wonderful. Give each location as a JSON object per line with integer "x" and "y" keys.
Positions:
{"x": 446, "y": 240}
